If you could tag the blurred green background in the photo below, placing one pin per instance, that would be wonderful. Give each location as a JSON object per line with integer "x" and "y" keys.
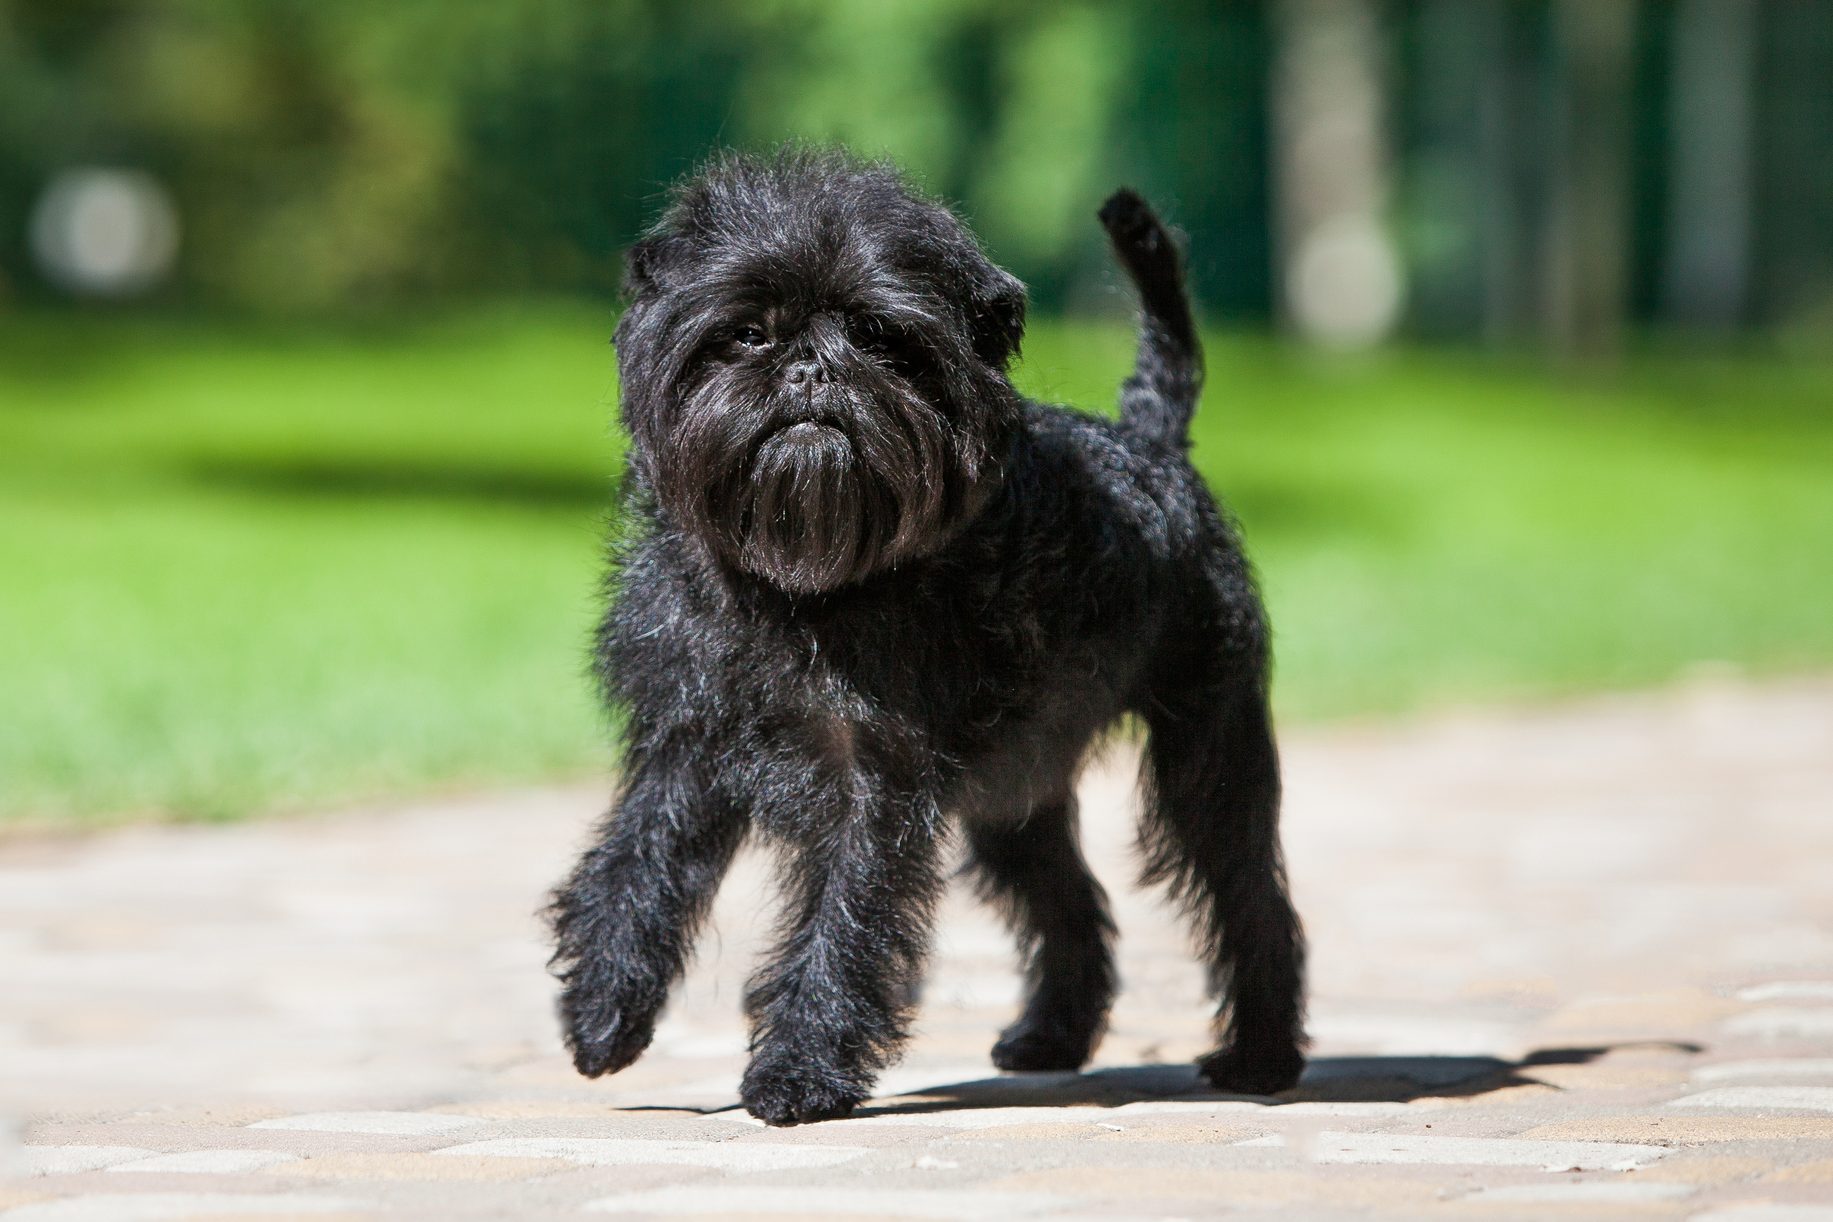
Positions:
{"x": 1521, "y": 335}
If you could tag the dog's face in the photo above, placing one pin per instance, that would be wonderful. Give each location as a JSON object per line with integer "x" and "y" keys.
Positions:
{"x": 813, "y": 368}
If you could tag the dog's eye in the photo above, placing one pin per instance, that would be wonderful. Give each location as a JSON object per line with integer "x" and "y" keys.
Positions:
{"x": 751, "y": 337}
{"x": 871, "y": 335}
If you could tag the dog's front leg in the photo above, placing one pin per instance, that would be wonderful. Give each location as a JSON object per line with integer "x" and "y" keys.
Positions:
{"x": 626, "y": 918}
{"x": 833, "y": 1005}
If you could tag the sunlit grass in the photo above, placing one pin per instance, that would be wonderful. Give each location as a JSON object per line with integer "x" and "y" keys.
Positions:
{"x": 247, "y": 568}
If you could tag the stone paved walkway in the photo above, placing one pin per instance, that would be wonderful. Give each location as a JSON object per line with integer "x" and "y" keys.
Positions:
{"x": 1568, "y": 963}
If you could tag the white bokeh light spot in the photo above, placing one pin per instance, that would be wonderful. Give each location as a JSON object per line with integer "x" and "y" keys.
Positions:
{"x": 104, "y": 232}
{"x": 1345, "y": 282}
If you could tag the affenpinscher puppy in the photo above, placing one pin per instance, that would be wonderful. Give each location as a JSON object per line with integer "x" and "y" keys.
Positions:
{"x": 868, "y": 593}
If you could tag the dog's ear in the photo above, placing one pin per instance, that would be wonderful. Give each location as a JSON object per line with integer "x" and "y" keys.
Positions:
{"x": 996, "y": 312}
{"x": 646, "y": 263}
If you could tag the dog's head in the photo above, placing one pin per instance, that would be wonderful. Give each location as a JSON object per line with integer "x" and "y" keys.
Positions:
{"x": 813, "y": 367}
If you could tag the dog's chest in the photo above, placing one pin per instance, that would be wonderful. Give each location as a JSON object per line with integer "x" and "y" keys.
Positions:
{"x": 825, "y": 751}
{"x": 858, "y": 712}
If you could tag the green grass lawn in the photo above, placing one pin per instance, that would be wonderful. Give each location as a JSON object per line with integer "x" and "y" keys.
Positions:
{"x": 250, "y": 568}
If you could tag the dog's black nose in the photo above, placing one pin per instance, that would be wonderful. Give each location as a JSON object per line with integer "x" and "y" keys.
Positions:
{"x": 805, "y": 371}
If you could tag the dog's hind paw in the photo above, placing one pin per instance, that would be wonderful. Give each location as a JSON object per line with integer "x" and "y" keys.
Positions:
{"x": 1240, "y": 1071}
{"x": 1024, "y": 1049}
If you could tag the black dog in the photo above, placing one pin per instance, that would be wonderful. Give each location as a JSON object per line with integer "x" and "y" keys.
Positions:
{"x": 869, "y": 588}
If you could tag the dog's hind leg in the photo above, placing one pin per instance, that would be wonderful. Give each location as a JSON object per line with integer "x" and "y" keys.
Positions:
{"x": 1034, "y": 873}
{"x": 1211, "y": 833}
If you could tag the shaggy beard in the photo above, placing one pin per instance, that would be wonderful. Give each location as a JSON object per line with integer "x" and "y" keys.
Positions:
{"x": 810, "y": 504}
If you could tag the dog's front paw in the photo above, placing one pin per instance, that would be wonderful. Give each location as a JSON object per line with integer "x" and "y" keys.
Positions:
{"x": 605, "y": 1036}
{"x": 782, "y": 1096}
{"x": 1242, "y": 1071}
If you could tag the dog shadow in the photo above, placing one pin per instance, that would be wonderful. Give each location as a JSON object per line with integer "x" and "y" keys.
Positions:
{"x": 1338, "y": 1079}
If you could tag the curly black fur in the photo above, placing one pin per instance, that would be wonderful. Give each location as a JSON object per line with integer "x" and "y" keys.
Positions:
{"x": 868, "y": 590}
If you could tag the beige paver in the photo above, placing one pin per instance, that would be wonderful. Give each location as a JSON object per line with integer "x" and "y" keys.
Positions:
{"x": 1686, "y": 1131}
{"x": 69, "y": 1159}
{"x": 846, "y": 1202}
{"x": 1254, "y": 1189}
{"x": 386, "y": 1124}
{"x": 1549, "y": 945}
{"x": 1818, "y": 1172}
{"x": 183, "y": 1206}
{"x": 1763, "y": 1098}
{"x": 206, "y": 1162}
{"x": 1691, "y": 1168}
{"x": 438, "y": 1166}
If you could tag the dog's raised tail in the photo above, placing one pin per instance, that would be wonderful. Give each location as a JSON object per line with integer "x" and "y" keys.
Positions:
{"x": 1160, "y": 396}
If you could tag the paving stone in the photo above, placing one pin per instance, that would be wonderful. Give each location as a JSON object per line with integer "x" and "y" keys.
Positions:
{"x": 916, "y": 1080}
{"x": 981, "y": 1118}
{"x": 1657, "y": 1014}
{"x": 1686, "y": 1130}
{"x": 1404, "y": 1035}
{"x": 618, "y": 1152}
{"x": 1339, "y": 1147}
{"x": 175, "y": 1206}
{"x": 389, "y": 1124}
{"x": 1784, "y": 1022}
{"x": 1788, "y": 990}
{"x": 67, "y": 1160}
{"x": 1819, "y": 1171}
{"x": 215, "y": 1116}
{"x": 207, "y": 1162}
{"x": 1183, "y": 1132}
{"x": 1587, "y": 935}
{"x": 1234, "y": 1109}
{"x": 1194, "y": 1187}
{"x": 1355, "y": 1108}
{"x": 540, "y": 1109}
{"x": 1419, "y": 1072}
{"x": 807, "y": 1202}
{"x": 1593, "y": 1192}
{"x": 1689, "y": 1166}
{"x": 1605, "y": 1076}
{"x": 1764, "y": 1098}
{"x": 419, "y": 1166}
{"x": 1733, "y": 1071}
{"x": 1522, "y": 1096}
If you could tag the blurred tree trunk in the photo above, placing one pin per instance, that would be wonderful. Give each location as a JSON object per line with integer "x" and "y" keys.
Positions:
{"x": 1587, "y": 247}
{"x": 1339, "y": 277}
{"x": 1448, "y": 200}
{"x": 1705, "y": 281}
{"x": 1792, "y": 271}
{"x": 1481, "y": 173}
{"x": 1513, "y": 168}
